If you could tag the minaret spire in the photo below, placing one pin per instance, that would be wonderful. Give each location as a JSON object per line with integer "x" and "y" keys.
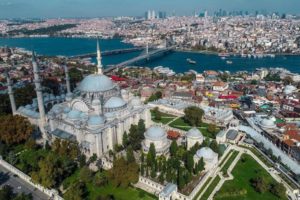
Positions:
{"x": 38, "y": 88}
{"x": 99, "y": 62}
{"x": 11, "y": 94}
{"x": 67, "y": 77}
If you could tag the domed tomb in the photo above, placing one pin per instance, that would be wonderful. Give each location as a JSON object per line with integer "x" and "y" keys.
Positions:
{"x": 210, "y": 158}
{"x": 193, "y": 136}
{"x": 158, "y": 137}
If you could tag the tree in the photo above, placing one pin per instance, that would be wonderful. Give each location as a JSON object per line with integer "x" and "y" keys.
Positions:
{"x": 141, "y": 128}
{"x": 14, "y": 129}
{"x": 130, "y": 154}
{"x": 85, "y": 175}
{"x": 200, "y": 166}
{"x": 100, "y": 179}
{"x": 180, "y": 177}
{"x": 157, "y": 95}
{"x": 75, "y": 76}
{"x": 259, "y": 184}
{"x": 6, "y": 192}
{"x": 190, "y": 162}
{"x": 212, "y": 128}
{"x": 288, "y": 80}
{"x": 125, "y": 140}
{"x": 134, "y": 139}
{"x": 278, "y": 190}
{"x": 173, "y": 148}
{"x": 214, "y": 146}
{"x": 151, "y": 155}
{"x": 123, "y": 173}
{"x": 77, "y": 191}
{"x": 193, "y": 115}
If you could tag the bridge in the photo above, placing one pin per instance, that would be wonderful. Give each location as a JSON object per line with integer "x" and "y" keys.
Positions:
{"x": 144, "y": 57}
{"x": 111, "y": 52}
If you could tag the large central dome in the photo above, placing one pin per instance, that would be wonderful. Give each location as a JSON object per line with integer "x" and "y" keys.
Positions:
{"x": 96, "y": 83}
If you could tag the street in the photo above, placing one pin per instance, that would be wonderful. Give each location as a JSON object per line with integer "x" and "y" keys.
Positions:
{"x": 19, "y": 186}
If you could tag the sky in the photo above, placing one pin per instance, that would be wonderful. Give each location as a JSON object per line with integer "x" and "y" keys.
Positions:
{"x": 102, "y": 8}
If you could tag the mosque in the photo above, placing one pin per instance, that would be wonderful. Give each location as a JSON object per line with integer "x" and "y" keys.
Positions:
{"x": 95, "y": 115}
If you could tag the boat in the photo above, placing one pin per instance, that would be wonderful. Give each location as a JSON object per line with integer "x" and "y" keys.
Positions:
{"x": 223, "y": 58}
{"x": 229, "y": 62}
{"x": 191, "y": 61}
{"x": 223, "y": 55}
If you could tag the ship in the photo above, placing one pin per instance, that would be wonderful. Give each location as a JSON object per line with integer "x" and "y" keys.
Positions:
{"x": 191, "y": 61}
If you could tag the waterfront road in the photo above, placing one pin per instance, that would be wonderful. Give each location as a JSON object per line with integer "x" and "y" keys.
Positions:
{"x": 19, "y": 185}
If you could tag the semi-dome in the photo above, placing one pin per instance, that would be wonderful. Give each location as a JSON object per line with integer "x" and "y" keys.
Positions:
{"x": 267, "y": 123}
{"x": 96, "y": 83}
{"x": 114, "y": 102}
{"x": 155, "y": 133}
{"x": 95, "y": 120}
{"x": 74, "y": 114}
{"x": 206, "y": 153}
{"x": 194, "y": 133}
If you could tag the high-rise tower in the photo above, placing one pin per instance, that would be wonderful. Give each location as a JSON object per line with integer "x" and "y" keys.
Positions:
{"x": 11, "y": 95}
{"x": 99, "y": 62}
{"x": 38, "y": 89}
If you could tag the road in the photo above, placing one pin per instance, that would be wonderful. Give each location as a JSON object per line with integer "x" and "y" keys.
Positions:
{"x": 19, "y": 185}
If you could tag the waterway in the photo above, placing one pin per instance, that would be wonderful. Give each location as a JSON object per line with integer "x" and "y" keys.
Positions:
{"x": 176, "y": 60}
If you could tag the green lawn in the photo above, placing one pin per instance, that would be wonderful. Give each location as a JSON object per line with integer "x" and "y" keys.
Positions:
{"x": 165, "y": 118}
{"x": 119, "y": 193}
{"x": 239, "y": 188}
{"x": 229, "y": 161}
{"x": 202, "y": 188}
{"x": 181, "y": 124}
{"x": 228, "y": 154}
{"x": 210, "y": 188}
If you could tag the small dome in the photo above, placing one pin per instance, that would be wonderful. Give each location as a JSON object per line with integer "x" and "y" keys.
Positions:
{"x": 267, "y": 123}
{"x": 96, "y": 83}
{"x": 95, "y": 120}
{"x": 74, "y": 114}
{"x": 114, "y": 102}
{"x": 67, "y": 109}
{"x": 155, "y": 133}
{"x": 28, "y": 106}
{"x": 136, "y": 101}
{"x": 52, "y": 97}
{"x": 57, "y": 109}
{"x": 194, "y": 133}
{"x": 206, "y": 153}
{"x": 96, "y": 102}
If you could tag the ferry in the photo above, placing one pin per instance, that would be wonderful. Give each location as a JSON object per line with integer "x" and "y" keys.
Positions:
{"x": 191, "y": 61}
{"x": 164, "y": 70}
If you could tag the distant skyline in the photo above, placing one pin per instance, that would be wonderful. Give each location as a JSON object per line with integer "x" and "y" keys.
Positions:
{"x": 102, "y": 8}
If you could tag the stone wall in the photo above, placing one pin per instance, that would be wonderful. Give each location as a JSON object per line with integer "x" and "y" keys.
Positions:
{"x": 51, "y": 193}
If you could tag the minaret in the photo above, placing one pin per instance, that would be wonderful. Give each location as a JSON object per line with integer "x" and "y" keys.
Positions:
{"x": 11, "y": 95}
{"x": 99, "y": 63}
{"x": 38, "y": 89}
{"x": 69, "y": 93}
